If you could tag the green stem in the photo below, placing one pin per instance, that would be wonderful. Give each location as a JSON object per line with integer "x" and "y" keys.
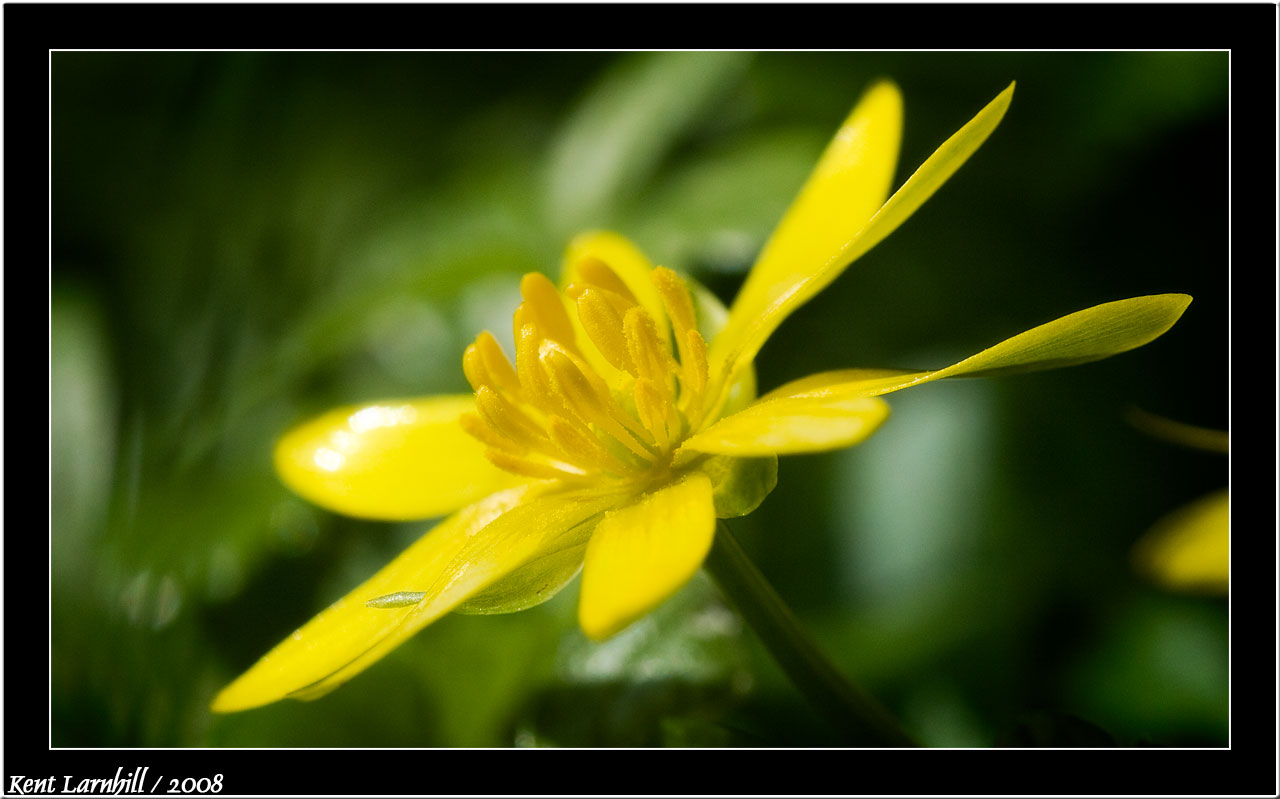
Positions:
{"x": 854, "y": 713}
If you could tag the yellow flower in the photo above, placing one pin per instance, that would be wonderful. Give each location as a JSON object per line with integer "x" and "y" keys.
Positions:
{"x": 1189, "y": 549}
{"x": 628, "y": 422}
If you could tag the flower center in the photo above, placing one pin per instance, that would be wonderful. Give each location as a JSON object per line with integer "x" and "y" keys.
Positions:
{"x": 597, "y": 390}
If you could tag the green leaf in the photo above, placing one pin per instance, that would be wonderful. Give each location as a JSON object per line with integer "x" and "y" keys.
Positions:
{"x": 620, "y": 131}
{"x": 82, "y": 431}
{"x": 684, "y": 662}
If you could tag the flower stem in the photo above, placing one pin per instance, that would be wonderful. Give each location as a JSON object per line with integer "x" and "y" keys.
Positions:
{"x": 853, "y": 713}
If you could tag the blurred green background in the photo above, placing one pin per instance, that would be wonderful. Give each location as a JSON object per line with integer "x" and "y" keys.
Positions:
{"x": 240, "y": 240}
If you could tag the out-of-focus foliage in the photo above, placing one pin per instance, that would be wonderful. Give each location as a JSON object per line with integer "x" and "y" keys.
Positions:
{"x": 240, "y": 240}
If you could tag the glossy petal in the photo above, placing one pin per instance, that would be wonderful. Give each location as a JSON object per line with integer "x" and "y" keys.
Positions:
{"x": 643, "y": 553}
{"x": 460, "y": 557}
{"x": 789, "y": 425}
{"x": 394, "y": 460}
{"x": 1088, "y": 335}
{"x": 760, "y": 310}
{"x": 1189, "y": 550}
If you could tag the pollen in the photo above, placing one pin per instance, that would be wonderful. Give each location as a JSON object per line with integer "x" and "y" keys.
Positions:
{"x": 600, "y": 388}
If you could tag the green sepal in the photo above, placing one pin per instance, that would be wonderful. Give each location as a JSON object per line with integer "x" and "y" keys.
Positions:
{"x": 530, "y": 585}
{"x": 537, "y": 580}
{"x": 739, "y": 485}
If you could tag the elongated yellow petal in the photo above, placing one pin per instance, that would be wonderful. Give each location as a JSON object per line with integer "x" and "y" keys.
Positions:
{"x": 394, "y": 460}
{"x": 790, "y": 425}
{"x": 849, "y": 183}
{"x": 1189, "y": 550}
{"x": 460, "y": 557}
{"x": 640, "y": 554}
{"x": 1088, "y": 335}
{"x": 812, "y": 247}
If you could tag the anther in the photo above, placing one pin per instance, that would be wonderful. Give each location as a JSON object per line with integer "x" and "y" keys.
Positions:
{"x": 655, "y": 412}
{"x": 540, "y": 470}
{"x": 547, "y": 307}
{"x": 603, "y": 324}
{"x": 651, "y": 355}
{"x": 476, "y": 427}
{"x": 583, "y": 392}
{"x": 509, "y": 421}
{"x": 593, "y": 271}
{"x": 585, "y": 449}
{"x": 537, "y": 387}
{"x": 499, "y": 371}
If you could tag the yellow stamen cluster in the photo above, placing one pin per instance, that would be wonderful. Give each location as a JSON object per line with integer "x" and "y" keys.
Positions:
{"x": 614, "y": 405}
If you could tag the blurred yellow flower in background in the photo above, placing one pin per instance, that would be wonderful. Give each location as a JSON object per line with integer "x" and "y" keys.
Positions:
{"x": 1190, "y": 548}
{"x": 628, "y": 422}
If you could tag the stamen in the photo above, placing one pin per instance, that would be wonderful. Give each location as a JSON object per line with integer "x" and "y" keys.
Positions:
{"x": 584, "y": 393}
{"x": 558, "y": 414}
{"x": 693, "y": 373}
{"x": 509, "y": 421}
{"x": 585, "y": 449}
{"x": 603, "y": 324}
{"x": 541, "y": 470}
{"x": 476, "y": 427}
{"x": 654, "y": 409}
{"x": 571, "y": 382}
{"x": 676, "y": 299}
{"x": 473, "y": 368}
{"x": 546, "y": 308}
{"x": 595, "y": 272}
{"x": 501, "y": 374}
{"x": 651, "y": 355}
{"x": 693, "y": 349}
{"x": 537, "y": 388}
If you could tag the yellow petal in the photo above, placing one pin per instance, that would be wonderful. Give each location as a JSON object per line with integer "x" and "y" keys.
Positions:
{"x": 460, "y": 557}
{"x": 1088, "y": 335}
{"x": 849, "y": 183}
{"x": 395, "y": 460}
{"x": 641, "y": 554}
{"x": 789, "y": 425}
{"x": 1190, "y": 548}
{"x": 821, "y": 236}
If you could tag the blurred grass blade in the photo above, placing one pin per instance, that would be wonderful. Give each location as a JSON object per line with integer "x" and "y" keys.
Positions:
{"x": 82, "y": 429}
{"x": 621, "y": 129}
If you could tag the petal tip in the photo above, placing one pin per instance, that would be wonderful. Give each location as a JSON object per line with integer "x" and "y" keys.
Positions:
{"x": 1177, "y": 305}
{"x": 595, "y": 629}
{"x": 884, "y": 84}
{"x": 232, "y": 700}
{"x": 1000, "y": 104}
